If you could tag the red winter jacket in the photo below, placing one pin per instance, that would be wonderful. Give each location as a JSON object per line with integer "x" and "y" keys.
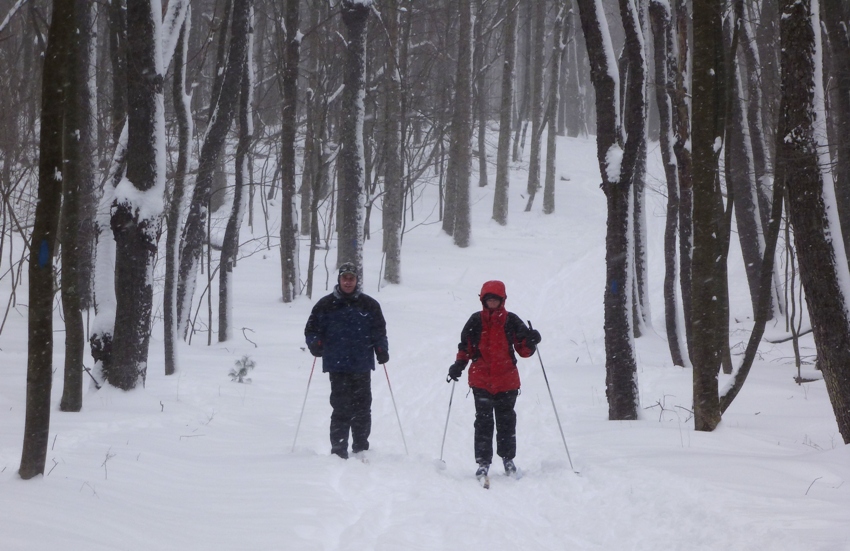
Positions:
{"x": 489, "y": 339}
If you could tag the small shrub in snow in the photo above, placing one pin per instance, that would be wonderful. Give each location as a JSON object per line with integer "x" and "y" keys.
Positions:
{"x": 240, "y": 372}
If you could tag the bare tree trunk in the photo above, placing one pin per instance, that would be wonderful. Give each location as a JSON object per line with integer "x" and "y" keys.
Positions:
{"x": 77, "y": 176}
{"x": 118, "y": 54}
{"x": 708, "y": 123}
{"x": 823, "y": 264}
{"x": 754, "y": 119}
{"x": 538, "y": 55}
{"x": 460, "y": 151}
{"x": 230, "y": 244}
{"x": 835, "y": 15}
{"x": 575, "y": 116}
{"x": 558, "y": 46}
{"x": 289, "y": 128}
{"x": 521, "y": 122}
{"x": 740, "y": 178}
{"x": 763, "y": 312}
{"x": 481, "y": 89}
{"x": 224, "y": 24}
{"x": 620, "y": 367}
{"x": 352, "y": 192}
{"x": 393, "y": 170}
{"x": 684, "y": 163}
{"x": 182, "y": 104}
{"x": 134, "y": 223}
{"x": 91, "y": 159}
{"x": 755, "y": 123}
{"x": 665, "y": 65}
{"x": 500, "y": 198}
{"x": 43, "y": 242}
{"x": 196, "y": 220}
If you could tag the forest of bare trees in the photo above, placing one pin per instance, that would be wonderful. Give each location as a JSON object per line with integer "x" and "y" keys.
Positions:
{"x": 125, "y": 205}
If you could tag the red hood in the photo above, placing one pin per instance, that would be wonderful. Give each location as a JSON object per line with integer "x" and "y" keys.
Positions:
{"x": 494, "y": 287}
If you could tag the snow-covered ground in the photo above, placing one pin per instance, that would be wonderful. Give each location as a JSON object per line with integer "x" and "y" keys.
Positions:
{"x": 195, "y": 461}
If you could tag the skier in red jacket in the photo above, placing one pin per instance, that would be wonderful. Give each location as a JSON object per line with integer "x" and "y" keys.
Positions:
{"x": 489, "y": 339}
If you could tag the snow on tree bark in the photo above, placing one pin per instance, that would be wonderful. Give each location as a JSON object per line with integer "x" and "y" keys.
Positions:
{"x": 740, "y": 171}
{"x": 665, "y": 64}
{"x": 755, "y": 123}
{"x": 222, "y": 116}
{"x": 230, "y": 246}
{"x": 182, "y": 110}
{"x": 684, "y": 164}
{"x": 138, "y": 201}
{"x": 835, "y": 17}
{"x": 811, "y": 200}
{"x": 352, "y": 192}
{"x": 621, "y": 368}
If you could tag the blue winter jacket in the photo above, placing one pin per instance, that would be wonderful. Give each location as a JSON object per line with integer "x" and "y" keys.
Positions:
{"x": 347, "y": 329}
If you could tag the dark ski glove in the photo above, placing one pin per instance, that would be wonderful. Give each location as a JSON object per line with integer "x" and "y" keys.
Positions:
{"x": 533, "y": 338}
{"x": 382, "y": 355}
{"x": 456, "y": 370}
{"x": 316, "y": 348}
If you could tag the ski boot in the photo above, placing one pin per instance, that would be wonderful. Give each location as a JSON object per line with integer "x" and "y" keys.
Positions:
{"x": 482, "y": 475}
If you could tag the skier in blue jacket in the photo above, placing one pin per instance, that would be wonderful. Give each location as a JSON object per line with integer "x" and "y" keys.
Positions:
{"x": 347, "y": 330}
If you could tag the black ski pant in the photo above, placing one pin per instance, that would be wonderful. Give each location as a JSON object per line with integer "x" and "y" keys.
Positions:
{"x": 502, "y": 405}
{"x": 351, "y": 400}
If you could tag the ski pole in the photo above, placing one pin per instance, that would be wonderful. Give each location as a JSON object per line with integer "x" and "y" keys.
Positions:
{"x": 557, "y": 418}
{"x": 396, "y": 409}
{"x": 304, "y": 404}
{"x": 446, "y": 429}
